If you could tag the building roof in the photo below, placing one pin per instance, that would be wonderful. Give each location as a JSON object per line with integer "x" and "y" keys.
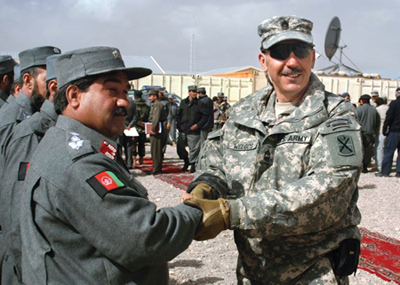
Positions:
{"x": 390, "y": 73}
{"x": 130, "y": 61}
{"x": 228, "y": 70}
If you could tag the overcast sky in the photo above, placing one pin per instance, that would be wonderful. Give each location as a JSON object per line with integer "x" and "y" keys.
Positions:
{"x": 225, "y": 31}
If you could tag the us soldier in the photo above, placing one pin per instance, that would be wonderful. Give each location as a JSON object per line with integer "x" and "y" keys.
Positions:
{"x": 87, "y": 220}
{"x": 141, "y": 116}
{"x": 173, "y": 111}
{"x": 16, "y": 154}
{"x": 223, "y": 107}
{"x": 6, "y": 77}
{"x": 283, "y": 171}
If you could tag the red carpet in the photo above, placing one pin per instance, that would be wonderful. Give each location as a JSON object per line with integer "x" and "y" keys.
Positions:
{"x": 380, "y": 255}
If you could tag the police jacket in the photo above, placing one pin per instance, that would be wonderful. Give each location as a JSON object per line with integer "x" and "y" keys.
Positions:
{"x": 392, "y": 120}
{"x": 17, "y": 152}
{"x": 87, "y": 220}
{"x": 208, "y": 108}
{"x": 291, "y": 183}
{"x": 190, "y": 113}
{"x": 369, "y": 119}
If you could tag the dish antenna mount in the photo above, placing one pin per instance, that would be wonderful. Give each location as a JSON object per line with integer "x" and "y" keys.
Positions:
{"x": 332, "y": 39}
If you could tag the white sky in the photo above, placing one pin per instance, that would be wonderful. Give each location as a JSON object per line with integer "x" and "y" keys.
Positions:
{"x": 225, "y": 31}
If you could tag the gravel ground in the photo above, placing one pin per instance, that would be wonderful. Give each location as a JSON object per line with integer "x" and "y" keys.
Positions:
{"x": 214, "y": 261}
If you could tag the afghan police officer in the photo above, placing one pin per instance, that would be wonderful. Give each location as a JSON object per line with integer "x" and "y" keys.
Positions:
{"x": 16, "y": 154}
{"x": 191, "y": 119}
{"x": 207, "y": 109}
{"x": 15, "y": 87}
{"x": 87, "y": 220}
{"x": 284, "y": 169}
{"x": 6, "y": 77}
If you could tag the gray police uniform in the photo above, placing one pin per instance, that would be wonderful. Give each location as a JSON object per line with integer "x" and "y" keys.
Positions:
{"x": 16, "y": 155}
{"x": 3, "y": 98}
{"x": 88, "y": 221}
{"x": 291, "y": 183}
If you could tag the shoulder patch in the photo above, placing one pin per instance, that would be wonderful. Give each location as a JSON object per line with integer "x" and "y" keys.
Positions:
{"x": 345, "y": 145}
{"x": 23, "y": 169}
{"x": 104, "y": 182}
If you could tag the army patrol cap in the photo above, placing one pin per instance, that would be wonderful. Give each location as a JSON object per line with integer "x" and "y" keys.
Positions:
{"x": 36, "y": 56}
{"x": 137, "y": 94}
{"x": 50, "y": 69}
{"x": 278, "y": 29}
{"x": 153, "y": 92}
{"x": 17, "y": 72}
{"x": 220, "y": 94}
{"x": 170, "y": 96}
{"x": 6, "y": 64}
{"x": 81, "y": 63}
{"x": 192, "y": 88}
{"x": 365, "y": 97}
{"x": 344, "y": 94}
{"x": 374, "y": 93}
{"x": 201, "y": 90}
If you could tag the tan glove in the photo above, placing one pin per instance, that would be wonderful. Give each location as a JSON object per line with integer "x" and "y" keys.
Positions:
{"x": 203, "y": 191}
{"x": 216, "y": 217}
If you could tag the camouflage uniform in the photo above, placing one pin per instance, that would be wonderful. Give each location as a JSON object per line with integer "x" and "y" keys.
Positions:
{"x": 291, "y": 183}
{"x": 141, "y": 116}
{"x": 222, "y": 116}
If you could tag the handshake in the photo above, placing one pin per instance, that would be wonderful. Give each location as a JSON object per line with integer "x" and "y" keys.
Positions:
{"x": 216, "y": 213}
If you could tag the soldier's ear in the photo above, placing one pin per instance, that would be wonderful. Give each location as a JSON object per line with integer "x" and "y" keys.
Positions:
{"x": 262, "y": 58}
{"x": 73, "y": 95}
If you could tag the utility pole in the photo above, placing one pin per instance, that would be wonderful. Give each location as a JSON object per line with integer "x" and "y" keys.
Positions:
{"x": 192, "y": 49}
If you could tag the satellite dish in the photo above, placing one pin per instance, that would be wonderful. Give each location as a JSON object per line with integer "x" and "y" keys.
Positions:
{"x": 332, "y": 37}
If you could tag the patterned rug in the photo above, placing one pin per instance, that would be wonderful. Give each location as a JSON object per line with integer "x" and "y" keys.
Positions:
{"x": 380, "y": 255}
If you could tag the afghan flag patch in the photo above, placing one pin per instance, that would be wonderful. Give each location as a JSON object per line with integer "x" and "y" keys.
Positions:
{"x": 104, "y": 182}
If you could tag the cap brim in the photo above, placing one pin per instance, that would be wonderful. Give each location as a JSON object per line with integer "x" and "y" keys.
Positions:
{"x": 285, "y": 36}
{"x": 131, "y": 72}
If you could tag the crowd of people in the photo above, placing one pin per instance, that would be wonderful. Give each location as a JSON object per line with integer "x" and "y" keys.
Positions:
{"x": 194, "y": 118}
{"x": 380, "y": 126}
{"x": 280, "y": 169}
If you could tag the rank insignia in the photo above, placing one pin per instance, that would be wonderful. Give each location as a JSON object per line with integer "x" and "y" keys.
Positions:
{"x": 345, "y": 145}
{"x": 108, "y": 149}
{"x": 104, "y": 182}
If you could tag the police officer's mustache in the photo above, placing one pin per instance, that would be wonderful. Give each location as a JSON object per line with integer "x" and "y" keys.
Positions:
{"x": 121, "y": 111}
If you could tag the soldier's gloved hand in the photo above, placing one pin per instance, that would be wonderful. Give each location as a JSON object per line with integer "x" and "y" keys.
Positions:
{"x": 216, "y": 217}
{"x": 203, "y": 191}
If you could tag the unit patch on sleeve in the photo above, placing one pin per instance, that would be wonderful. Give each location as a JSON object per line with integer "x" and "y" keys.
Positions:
{"x": 104, "y": 182}
{"x": 345, "y": 145}
{"x": 23, "y": 169}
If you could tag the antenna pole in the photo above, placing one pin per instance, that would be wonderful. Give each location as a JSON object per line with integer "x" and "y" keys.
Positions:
{"x": 192, "y": 49}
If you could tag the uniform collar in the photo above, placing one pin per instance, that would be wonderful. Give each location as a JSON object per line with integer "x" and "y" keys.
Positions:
{"x": 78, "y": 131}
{"x": 48, "y": 109}
{"x": 3, "y": 96}
{"x": 25, "y": 102}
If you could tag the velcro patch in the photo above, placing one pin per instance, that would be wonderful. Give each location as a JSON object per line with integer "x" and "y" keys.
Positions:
{"x": 345, "y": 145}
{"x": 104, "y": 182}
{"x": 295, "y": 139}
{"x": 23, "y": 169}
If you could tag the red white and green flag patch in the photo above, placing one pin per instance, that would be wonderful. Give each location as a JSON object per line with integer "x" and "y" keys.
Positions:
{"x": 104, "y": 182}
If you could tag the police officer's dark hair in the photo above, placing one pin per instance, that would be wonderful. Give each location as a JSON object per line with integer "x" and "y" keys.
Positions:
{"x": 33, "y": 71}
{"x": 379, "y": 101}
{"x": 9, "y": 74}
{"x": 60, "y": 98}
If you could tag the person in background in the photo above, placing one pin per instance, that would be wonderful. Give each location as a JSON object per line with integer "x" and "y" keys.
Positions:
{"x": 391, "y": 129}
{"x": 125, "y": 141}
{"x": 208, "y": 109}
{"x": 7, "y": 65}
{"x": 141, "y": 117}
{"x": 346, "y": 96}
{"x": 374, "y": 96}
{"x": 157, "y": 117}
{"x": 381, "y": 108}
{"x": 173, "y": 111}
{"x": 370, "y": 122}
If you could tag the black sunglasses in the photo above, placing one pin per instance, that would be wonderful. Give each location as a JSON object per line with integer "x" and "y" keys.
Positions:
{"x": 282, "y": 51}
